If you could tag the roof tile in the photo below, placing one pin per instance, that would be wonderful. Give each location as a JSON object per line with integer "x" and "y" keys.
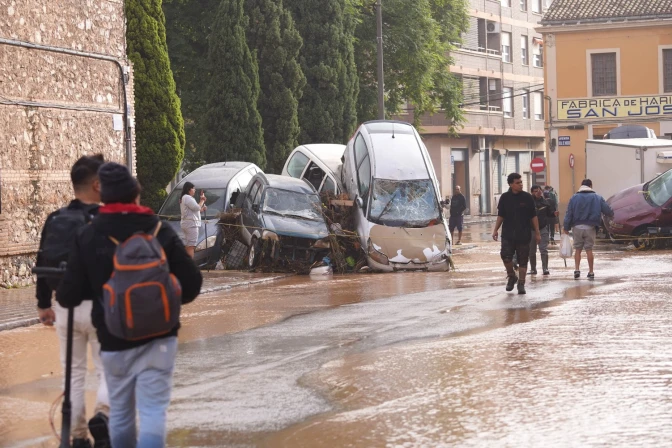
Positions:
{"x": 572, "y": 11}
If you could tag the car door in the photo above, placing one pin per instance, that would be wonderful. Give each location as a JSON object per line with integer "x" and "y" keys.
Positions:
{"x": 247, "y": 214}
{"x": 256, "y": 220}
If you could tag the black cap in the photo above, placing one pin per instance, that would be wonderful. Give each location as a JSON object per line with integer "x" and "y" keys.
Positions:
{"x": 117, "y": 184}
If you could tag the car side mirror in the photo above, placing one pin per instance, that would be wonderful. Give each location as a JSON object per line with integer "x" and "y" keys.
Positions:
{"x": 360, "y": 202}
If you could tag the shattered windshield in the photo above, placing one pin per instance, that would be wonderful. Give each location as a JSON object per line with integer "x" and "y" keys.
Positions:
{"x": 404, "y": 203}
{"x": 660, "y": 189}
{"x": 290, "y": 203}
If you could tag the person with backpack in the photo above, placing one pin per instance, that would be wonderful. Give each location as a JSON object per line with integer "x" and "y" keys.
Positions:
{"x": 58, "y": 235}
{"x": 141, "y": 274}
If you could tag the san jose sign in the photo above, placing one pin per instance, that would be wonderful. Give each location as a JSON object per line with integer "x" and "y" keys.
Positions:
{"x": 614, "y": 107}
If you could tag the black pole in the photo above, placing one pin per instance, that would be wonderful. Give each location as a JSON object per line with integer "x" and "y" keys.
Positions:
{"x": 66, "y": 410}
{"x": 381, "y": 76}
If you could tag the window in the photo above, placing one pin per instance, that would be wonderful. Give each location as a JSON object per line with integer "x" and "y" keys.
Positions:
{"x": 360, "y": 150}
{"x": 506, "y": 3}
{"x": 297, "y": 164}
{"x": 536, "y": 6}
{"x": 507, "y": 101}
{"x": 363, "y": 164}
{"x": 526, "y": 104}
{"x": 314, "y": 175}
{"x": 253, "y": 192}
{"x": 523, "y": 50}
{"x": 328, "y": 186}
{"x": 257, "y": 197}
{"x": 603, "y": 70}
{"x": 506, "y": 47}
{"x": 523, "y": 5}
{"x": 667, "y": 70}
{"x": 538, "y": 106}
{"x": 538, "y": 53}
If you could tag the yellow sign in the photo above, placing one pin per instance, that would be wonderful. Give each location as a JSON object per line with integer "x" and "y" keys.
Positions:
{"x": 617, "y": 107}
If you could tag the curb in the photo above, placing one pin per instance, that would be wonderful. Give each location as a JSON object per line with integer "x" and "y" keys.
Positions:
{"x": 34, "y": 320}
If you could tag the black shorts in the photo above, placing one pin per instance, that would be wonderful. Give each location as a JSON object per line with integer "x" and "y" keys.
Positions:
{"x": 521, "y": 250}
{"x": 455, "y": 221}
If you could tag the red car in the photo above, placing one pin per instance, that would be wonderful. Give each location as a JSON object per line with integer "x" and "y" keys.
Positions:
{"x": 640, "y": 207}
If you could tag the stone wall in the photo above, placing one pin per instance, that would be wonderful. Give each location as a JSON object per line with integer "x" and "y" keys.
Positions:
{"x": 54, "y": 108}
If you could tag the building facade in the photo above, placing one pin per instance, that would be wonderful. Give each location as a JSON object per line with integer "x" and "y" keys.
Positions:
{"x": 500, "y": 64}
{"x": 606, "y": 64}
{"x": 65, "y": 91}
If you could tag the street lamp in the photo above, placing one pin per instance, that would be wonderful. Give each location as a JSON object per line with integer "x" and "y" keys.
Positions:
{"x": 381, "y": 78}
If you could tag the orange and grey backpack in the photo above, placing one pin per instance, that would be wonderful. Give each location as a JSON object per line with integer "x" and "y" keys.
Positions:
{"x": 142, "y": 298}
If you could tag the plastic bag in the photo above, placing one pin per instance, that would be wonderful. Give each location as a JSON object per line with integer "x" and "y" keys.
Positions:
{"x": 566, "y": 246}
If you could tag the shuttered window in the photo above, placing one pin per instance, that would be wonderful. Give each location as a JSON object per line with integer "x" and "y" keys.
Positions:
{"x": 605, "y": 81}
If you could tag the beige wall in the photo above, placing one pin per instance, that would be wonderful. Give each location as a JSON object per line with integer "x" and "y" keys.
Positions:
{"x": 76, "y": 98}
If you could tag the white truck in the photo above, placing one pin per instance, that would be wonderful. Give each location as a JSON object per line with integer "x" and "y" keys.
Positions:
{"x": 614, "y": 165}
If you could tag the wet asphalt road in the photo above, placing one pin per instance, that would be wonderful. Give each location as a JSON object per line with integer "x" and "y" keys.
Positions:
{"x": 405, "y": 360}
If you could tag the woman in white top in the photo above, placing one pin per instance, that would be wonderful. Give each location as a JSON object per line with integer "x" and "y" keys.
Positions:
{"x": 191, "y": 216}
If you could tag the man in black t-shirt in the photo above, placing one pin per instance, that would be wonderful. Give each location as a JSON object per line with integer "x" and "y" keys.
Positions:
{"x": 517, "y": 211}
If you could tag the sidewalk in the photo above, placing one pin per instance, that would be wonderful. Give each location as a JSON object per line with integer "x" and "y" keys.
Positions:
{"x": 18, "y": 307}
{"x": 478, "y": 219}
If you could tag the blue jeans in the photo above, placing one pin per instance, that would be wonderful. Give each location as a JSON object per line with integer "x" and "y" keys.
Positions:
{"x": 141, "y": 377}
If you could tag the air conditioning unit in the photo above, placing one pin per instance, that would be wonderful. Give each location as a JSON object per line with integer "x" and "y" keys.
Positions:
{"x": 493, "y": 27}
{"x": 479, "y": 143}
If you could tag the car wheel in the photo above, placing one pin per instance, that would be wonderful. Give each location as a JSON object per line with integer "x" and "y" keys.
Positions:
{"x": 643, "y": 240}
{"x": 253, "y": 256}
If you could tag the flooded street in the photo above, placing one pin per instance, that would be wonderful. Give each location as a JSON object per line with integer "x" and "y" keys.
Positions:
{"x": 404, "y": 360}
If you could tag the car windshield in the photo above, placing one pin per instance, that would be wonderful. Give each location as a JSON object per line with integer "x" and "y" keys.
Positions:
{"x": 404, "y": 203}
{"x": 290, "y": 203}
{"x": 215, "y": 198}
{"x": 660, "y": 189}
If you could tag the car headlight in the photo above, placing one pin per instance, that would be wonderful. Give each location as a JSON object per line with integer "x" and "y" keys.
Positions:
{"x": 207, "y": 243}
{"x": 376, "y": 255}
{"x": 614, "y": 224}
{"x": 268, "y": 235}
{"x": 324, "y": 243}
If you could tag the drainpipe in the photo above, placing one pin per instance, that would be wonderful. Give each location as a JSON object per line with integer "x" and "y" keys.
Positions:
{"x": 123, "y": 75}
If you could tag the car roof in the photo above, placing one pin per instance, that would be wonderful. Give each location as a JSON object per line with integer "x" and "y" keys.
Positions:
{"x": 287, "y": 183}
{"x": 327, "y": 153}
{"x": 397, "y": 152}
{"x": 215, "y": 174}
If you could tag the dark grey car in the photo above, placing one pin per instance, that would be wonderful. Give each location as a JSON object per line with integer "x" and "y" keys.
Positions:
{"x": 219, "y": 181}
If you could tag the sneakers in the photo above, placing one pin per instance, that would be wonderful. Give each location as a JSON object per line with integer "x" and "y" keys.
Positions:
{"x": 546, "y": 272}
{"x": 98, "y": 428}
{"x": 577, "y": 274}
{"x": 81, "y": 443}
{"x": 533, "y": 272}
{"x": 591, "y": 276}
{"x": 521, "y": 288}
{"x": 511, "y": 283}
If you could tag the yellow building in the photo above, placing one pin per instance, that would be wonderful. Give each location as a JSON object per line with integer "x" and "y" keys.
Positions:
{"x": 606, "y": 64}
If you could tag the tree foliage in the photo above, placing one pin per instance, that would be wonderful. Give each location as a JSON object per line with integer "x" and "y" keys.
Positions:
{"x": 275, "y": 41}
{"x": 188, "y": 24}
{"x": 159, "y": 128}
{"x": 232, "y": 121}
{"x": 327, "y": 110}
{"x": 416, "y": 58}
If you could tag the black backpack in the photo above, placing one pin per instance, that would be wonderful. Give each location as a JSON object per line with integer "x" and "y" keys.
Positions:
{"x": 59, "y": 235}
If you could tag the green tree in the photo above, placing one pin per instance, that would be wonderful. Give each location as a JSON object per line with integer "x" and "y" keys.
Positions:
{"x": 327, "y": 112}
{"x": 416, "y": 58}
{"x": 159, "y": 128}
{"x": 232, "y": 121}
{"x": 275, "y": 41}
{"x": 188, "y": 24}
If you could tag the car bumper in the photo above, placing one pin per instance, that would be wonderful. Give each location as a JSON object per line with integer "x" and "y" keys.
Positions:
{"x": 438, "y": 266}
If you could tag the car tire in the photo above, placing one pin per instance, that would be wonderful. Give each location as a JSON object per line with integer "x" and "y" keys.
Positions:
{"x": 254, "y": 254}
{"x": 643, "y": 240}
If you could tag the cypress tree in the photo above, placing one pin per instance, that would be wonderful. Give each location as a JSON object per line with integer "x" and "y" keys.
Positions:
{"x": 327, "y": 109}
{"x": 159, "y": 128}
{"x": 232, "y": 120}
{"x": 274, "y": 39}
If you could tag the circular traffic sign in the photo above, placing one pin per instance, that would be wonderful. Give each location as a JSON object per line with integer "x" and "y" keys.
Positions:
{"x": 538, "y": 165}
{"x": 571, "y": 160}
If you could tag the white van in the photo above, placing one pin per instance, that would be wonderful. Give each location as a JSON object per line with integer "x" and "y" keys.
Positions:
{"x": 389, "y": 174}
{"x": 319, "y": 164}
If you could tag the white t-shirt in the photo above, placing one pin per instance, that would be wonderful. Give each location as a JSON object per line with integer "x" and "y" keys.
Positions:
{"x": 191, "y": 212}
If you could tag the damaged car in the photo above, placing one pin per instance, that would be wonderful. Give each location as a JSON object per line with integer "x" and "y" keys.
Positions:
{"x": 388, "y": 173}
{"x": 281, "y": 220}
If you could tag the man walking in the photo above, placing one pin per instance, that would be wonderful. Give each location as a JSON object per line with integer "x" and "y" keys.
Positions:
{"x": 518, "y": 214}
{"x": 552, "y": 197}
{"x": 457, "y": 207}
{"x": 584, "y": 215}
{"x": 138, "y": 371}
{"x": 59, "y": 227}
{"x": 546, "y": 215}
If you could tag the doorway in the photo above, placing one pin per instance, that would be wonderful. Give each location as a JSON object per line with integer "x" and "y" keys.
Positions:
{"x": 459, "y": 158}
